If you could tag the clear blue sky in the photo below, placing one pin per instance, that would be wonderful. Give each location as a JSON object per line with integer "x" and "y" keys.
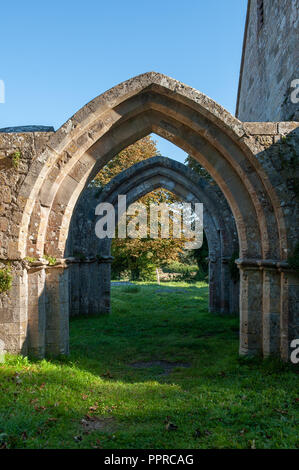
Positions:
{"x": 58, "y": 55}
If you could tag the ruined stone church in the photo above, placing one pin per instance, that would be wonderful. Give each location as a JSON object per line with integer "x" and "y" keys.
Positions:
{"x": 252, "y": 157}
{"x": 270, "y": 62}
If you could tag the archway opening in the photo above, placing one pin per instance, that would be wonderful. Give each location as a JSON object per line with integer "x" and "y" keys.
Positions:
{"x": 155, "y": 103}
{"x": 153, "y": 179}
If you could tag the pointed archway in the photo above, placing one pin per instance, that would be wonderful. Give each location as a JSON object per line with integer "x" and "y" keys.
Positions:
{"x": 155, "y": 103}
{"x": 135, "y": 182}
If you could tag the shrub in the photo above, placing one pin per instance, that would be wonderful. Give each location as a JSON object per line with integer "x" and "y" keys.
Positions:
{"x": 148, "y": 273}
{"x": 177, "y": 267}
{"x": 51, "y": 260}
{"x": 16, "y": 156}
{"x": 201, "y": 275}
{"x": 5, "y": 280}
{"x": 30, "y": 259}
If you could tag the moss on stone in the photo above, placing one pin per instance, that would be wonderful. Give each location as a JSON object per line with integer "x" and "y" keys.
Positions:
{"x": 16, "y": 157}
{"x": 30, "y": 259}
{"x": 51, "y": 260}
{"x": 5, "y": 280}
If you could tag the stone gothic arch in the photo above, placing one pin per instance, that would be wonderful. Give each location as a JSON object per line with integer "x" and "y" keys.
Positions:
{"x": 135, "y": 182}
{"x": 226, "y": 147}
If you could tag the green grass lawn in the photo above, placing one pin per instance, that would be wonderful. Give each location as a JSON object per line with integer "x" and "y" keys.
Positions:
{"x": 96, "y": 398}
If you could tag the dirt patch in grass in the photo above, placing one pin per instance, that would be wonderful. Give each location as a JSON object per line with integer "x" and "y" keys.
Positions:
{"x": 95, "y": 423}
{"x": 167, "y": 366}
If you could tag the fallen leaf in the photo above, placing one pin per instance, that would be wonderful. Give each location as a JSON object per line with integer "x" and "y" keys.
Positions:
{"x": 40, "y": 408}
{"x": 93, "y": 408}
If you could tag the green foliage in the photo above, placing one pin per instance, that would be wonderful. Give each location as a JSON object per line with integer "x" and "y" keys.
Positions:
{"x": 202, "y": 275}
{"x": 137, "y": 152}
{"x": 186, "y": 272}
{"x": 201, "y": 256}
{"x": 219, "y": 401}
{"x": 51, "y": 260}
{"x": 233, "y": 268}
{"x": 177, "y": 267}
{"x": 141, "y": 257}
{"x": 293, "y": 259}
{"x": 120, "y": 274}
{"x": 16, "y": 157}
{"x": 147, "y": 273}
{"x": 198, "y": 168}
{"x": 30, "y": 259}
{"x": 5, "y": 279}
{"x": 186, "y": 266}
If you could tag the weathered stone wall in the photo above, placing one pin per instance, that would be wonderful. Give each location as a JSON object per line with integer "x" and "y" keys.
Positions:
{"x": 276, "y": 147}
{"x": 136, "y": 181}
{"x": 28, "y": 310}
{"x": 255, "y": 165}
{"x": 13, "y": 170}
{"x": 17, "y": 152}
{"x": 270, "y": 63}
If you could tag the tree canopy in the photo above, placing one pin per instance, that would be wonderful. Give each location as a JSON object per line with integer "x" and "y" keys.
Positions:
{"x": 140, "y": 256}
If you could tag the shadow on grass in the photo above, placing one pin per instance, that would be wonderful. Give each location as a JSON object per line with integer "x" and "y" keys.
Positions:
{"x": 221, "y": 400}
{"x": 152, "y": 323}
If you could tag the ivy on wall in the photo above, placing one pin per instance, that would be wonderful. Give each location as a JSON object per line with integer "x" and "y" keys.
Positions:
{"x": 5, "y": 280}
{"x": 16, "y": 157}
{"x": 51, "y": 260}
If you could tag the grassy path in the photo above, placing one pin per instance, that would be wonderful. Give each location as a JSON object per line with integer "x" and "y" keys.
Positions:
{"x": 99, "y": 396}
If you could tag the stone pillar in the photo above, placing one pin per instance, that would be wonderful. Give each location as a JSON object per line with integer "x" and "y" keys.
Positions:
{"x": 36, "y": 311}
{"x": 13, "y": 312}
{"x": 105, "y": 277}
{"x": 225, "y": 286}
{"x": 57, "y": 308}
{"x": 88, "y": 285}
{"x": 289, "y": 321}
{"x": 74, "y": 288}
{"x": 271, "y": 311}
{"x": 251, "y": 305}
{"x": 84, "y": 287}
{"x": 234, "y": 296}
{"x": 96, "y": 287}
{"x": 214, "y": 283}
